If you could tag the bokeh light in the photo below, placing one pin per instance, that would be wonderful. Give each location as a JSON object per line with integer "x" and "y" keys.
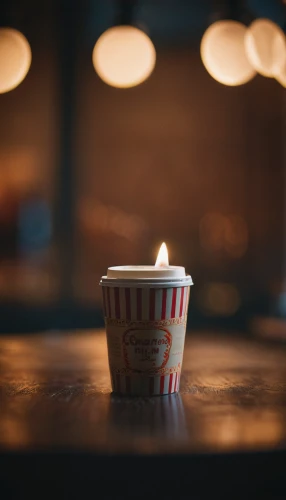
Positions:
{"x": 212, "y": 227}
{"x": 265, "y": 47}
{"x": 236, "y": 236}
{"x": 243, "y": 428}
{"x": 228, "y": 233}
{"x": 124, "y": 56}
{"x": 15, "y": 58}
{"x": 98, "y": 218}
{"x": 219, "y": 299}
{"x": 223, "y": 53}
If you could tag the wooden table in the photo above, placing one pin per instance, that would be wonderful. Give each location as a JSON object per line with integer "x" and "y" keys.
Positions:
{"x": 226, "y": 426}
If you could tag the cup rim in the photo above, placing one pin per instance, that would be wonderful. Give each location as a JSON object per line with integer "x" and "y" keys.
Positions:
{"x": 147, "y": 282}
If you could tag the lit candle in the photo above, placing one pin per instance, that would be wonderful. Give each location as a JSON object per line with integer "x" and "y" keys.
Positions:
{"x": 161, "y": 271}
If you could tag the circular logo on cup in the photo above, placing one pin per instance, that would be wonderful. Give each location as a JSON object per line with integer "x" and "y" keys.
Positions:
{"x": 146, "y": 350}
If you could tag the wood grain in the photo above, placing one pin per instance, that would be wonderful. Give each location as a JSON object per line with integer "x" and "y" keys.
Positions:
{"x": 56, "y": 394}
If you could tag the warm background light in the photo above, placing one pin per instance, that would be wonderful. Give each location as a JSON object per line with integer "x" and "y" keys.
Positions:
{"x": 219, "y": 299}
{"x": 224, "y": 233}
{"x": 265, "y": 47}
{"x": 15, "y": 58}
{"x": 124, "y": 56}
{"x": 223, "y": 53}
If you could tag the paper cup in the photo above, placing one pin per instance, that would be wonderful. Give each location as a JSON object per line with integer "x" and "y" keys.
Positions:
{"x": 145, "y": 327}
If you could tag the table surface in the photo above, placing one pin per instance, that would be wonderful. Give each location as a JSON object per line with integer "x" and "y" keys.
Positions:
{"x": 56, "y": 395}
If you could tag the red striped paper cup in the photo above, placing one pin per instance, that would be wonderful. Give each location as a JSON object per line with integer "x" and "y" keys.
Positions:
{"x": 145, "y": 327}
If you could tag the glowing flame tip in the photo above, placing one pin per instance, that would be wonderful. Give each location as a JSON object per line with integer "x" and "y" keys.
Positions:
{"x": 162, "y": 257}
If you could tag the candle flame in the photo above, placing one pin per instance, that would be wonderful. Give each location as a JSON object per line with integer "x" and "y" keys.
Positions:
{"x": 162, "y": 257}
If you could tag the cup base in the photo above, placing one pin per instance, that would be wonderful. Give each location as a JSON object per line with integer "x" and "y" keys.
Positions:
{"x": 139, "y": 385}
{"x": 137, "y": 395}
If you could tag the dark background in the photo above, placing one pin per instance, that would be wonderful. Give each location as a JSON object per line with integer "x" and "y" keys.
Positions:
{"x": 92, "y": 176}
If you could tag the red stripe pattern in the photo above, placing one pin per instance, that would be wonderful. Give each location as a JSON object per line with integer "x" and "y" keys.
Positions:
{"x": 174, "y": 303}
{"x": 117, "y": 303}
{"x": 182, "y": 301}
{"x": 164, "y": 303}
{"x": 170, "y": 383}
{"x": 129, "y": 303}
{"x": 139, "y": 304}
{"x": 152, "y": 304}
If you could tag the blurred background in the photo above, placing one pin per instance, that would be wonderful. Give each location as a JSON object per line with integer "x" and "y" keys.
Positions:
{"x": 93, "y": 176}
